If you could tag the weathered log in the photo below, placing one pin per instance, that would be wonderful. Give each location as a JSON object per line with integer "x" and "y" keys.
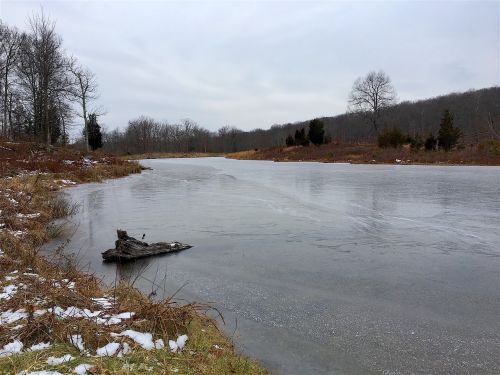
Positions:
{"x": 128, "y": 248}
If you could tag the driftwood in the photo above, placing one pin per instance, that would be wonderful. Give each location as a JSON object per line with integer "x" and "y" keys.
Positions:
{"x": 128, "y": 248}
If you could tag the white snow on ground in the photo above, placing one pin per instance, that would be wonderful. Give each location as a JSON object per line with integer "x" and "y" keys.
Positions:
{"x": 116, "y": 319}
{"x": 1, "y": 252}
{"x": 108, "y": 350}
{"x": 11, "y": 348}
{"x": 38, "y": 313}
{"x": 143, "y": 339}
{"x": 73, "y": 312}
{"x": 28, "y": 216}
{"x": 159, "y": 344}
{"x": 104, "y": 302}
{"x": 124, "y": 351}
{"x": 43, "y": 372}
{"x": 82, "y": 369}
{"x": 54, "y": 361}
{"x": 10, "y": 316}
{"x": 8, "y": 291}
{"x": 66, "y": 182}
{"x": 178, "y": 345}
{"x": 77, "y": 342}
{"x": 41, "y": 346}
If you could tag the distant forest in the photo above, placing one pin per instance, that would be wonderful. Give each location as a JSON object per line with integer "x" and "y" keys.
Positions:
{"x": 475, "y": 112}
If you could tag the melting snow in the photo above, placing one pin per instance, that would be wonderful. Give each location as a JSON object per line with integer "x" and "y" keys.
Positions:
{"x": 54, "y": 361}
{"x": 11, "y": 348}
{"x": 77, "y": 342}
{"x": 28, "y": 216}
{"x": 104, "y": 302}
{"x": 143, "y": 339}
{"x": 82, "y": 369}
{"x": 10, "y": 316}
{"x": 8, "y": 291}
{"x": 108, "y": 350}
{"x": 178, "y": 345}
{"x": 41, "y": 346}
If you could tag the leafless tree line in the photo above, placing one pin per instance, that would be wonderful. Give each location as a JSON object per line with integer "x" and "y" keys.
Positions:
{"x": 42, "y": 88}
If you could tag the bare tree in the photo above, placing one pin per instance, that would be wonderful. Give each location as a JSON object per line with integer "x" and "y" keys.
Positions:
{"x": 9, "y": 45}
{"x": 42, "y": 73}
{"x": 85, "y": 91}
{"x": 371, "y": 95}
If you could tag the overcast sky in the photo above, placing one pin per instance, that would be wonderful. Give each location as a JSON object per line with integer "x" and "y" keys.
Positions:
{"x": 254, "y": 64}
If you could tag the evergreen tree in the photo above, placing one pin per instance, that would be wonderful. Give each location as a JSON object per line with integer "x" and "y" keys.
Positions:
{"x": 316, "y": 132}
{"x": 300, "y": 138}
{"x": 95, "y": 135}
{"x": 430, "y": 143}
{"x": 290, "y": 141}
{"x": 448, "y": 134}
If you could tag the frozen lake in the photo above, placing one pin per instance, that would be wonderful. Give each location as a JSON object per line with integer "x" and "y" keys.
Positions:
{"x": 320, "y": 268}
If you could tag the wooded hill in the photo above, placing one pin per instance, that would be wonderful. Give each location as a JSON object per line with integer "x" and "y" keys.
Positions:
{"x": 475, "y": 112}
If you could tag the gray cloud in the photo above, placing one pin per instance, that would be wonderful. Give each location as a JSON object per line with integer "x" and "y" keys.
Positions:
{"x": 253, "y": 64}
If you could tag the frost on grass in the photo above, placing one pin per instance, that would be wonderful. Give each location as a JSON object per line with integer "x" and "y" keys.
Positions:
{"x": 11, "y": 348}
{"x": 55, "y": 361}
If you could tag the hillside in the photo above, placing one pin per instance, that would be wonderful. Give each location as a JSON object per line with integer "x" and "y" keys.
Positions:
{"x": 476, "y": 112}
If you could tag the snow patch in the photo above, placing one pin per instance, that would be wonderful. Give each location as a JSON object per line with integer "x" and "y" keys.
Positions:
{"x": 108, "y": 350}
{"x": 55, "y": 361}
{"x": 178, "y": 345}
{"x": 41, "y": 346}
{"x": 82, "y": 369}
{"x": 11, "y": 348}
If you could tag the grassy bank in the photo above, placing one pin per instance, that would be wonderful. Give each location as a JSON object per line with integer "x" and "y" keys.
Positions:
{"x": 54, "y": 317}
{"x": 169, "y": 155}
{"x": 371, "y": 154}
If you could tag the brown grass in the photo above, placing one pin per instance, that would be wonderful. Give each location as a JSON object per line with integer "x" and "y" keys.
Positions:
{"x": 371, "y": 154}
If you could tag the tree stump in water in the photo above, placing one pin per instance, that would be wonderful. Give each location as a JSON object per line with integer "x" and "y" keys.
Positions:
{"x": 128, "y": 248}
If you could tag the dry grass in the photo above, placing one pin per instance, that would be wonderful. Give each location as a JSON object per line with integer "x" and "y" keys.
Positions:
{"x": 371, "y": 154}
{"x": 29, "y": 202}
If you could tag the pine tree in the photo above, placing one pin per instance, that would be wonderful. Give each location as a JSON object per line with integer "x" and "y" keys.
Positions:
{"x": 290, "y": 141}
{"x": 316, "y": 132}
{"x": 448, "y": 134}
{"x": 95, "y": 135}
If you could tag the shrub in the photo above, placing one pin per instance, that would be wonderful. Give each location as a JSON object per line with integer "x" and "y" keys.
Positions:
{"x": 416, "y": 143}
{"x": 430, "y": 143}
{"x": 391, "y": 138}
{"x": 491, "y": 146}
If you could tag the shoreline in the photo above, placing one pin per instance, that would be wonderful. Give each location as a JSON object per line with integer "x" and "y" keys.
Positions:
{"x": 371, "y": 154}
{"x": 55, "y": 317}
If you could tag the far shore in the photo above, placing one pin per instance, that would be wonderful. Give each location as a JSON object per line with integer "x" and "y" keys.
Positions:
{"x": 346, "y": 154}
